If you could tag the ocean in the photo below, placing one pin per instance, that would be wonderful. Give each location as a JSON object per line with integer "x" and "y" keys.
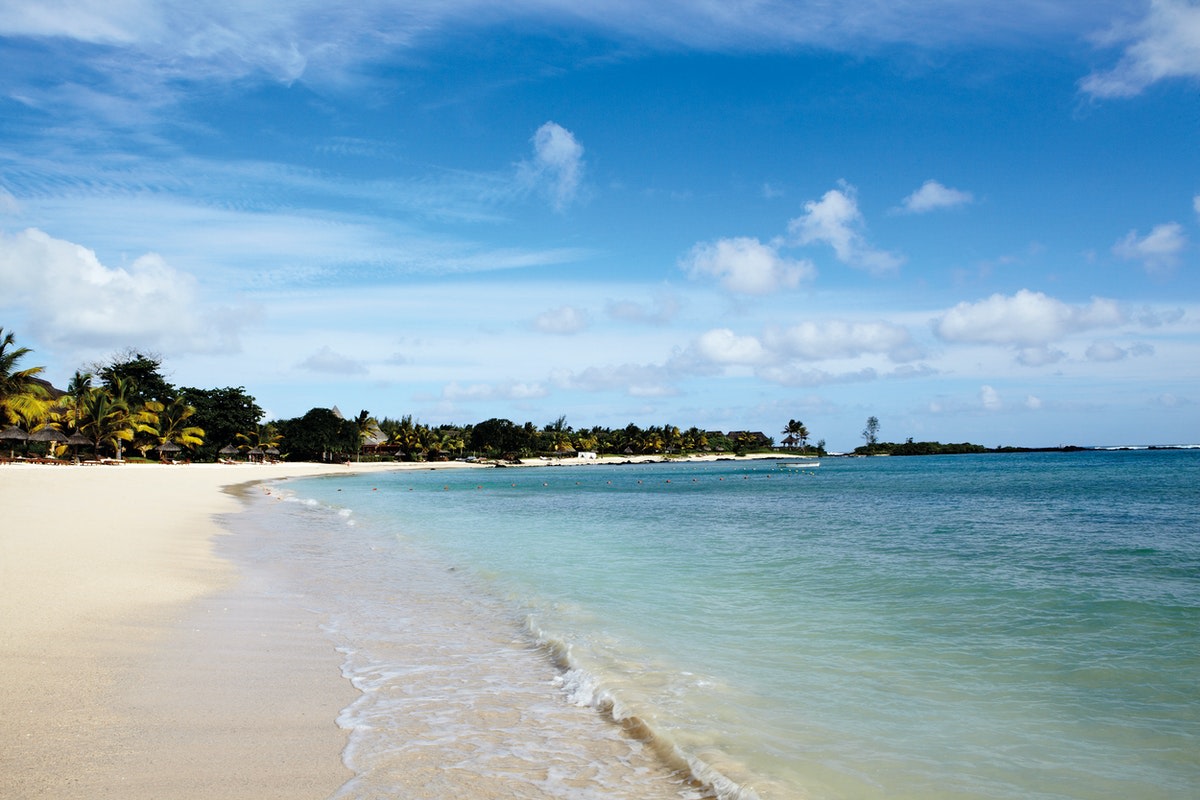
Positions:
{"x": 978, "y": 626}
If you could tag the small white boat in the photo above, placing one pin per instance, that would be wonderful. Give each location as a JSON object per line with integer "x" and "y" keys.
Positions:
{"x": 798, "y": 463}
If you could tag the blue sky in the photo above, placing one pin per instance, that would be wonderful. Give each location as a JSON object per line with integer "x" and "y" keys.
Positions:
{"x": 976, "y": 221}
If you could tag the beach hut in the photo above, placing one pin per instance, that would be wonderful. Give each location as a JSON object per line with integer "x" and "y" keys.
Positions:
{"x": 255, "y": 454}
{"x": 75, "y": 440}
{"x": 14, "y": 434}
{"x": 227, "y": 452}
{"x": 167, "y": 447}
{"x": 49, "y": 435}
{"x": 273, "y": 452}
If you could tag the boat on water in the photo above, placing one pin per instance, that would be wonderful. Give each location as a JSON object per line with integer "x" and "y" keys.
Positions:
{"x": 798, "y": 463}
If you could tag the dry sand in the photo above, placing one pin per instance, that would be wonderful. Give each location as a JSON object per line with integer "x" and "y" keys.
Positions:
{"x": 136, "y": 664}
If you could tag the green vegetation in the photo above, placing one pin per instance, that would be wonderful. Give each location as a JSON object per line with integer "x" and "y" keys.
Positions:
{"x": 132, "y": 405}
{"x": 911, "y": 448}
{"x": 127, "y": 402}
{"x": 23, "y": 398}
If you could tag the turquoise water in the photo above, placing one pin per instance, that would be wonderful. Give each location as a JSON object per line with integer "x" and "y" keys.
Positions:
{"x": 1000, "y": 626}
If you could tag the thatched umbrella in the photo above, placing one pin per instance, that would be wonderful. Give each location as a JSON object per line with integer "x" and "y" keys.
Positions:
{"x": 167, "y": 447}
{"x": 48, "y": 435}
{"x": 255, "y": 453}
{"x": 227, "y": 450}
{"x": 273, "y": 452}
{"x": 76, "y": 439}
{"x": 13, "y": 433}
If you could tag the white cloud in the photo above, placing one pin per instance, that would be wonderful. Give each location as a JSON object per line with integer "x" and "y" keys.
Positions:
{"x": 745, "y": 265}
{"x": 1026, "y": 319}
{"x": 1164, "y": 44}
{"x": 1157, "y": 251}
{"x": 817, "y": 341}
{"x": 327, "y": 361}
{"x": 723, "y": 346}
{"x": 783, "y": 356}
{"x": 1196, "y": 204}
{"x": 989, "y": 398}
{"x": 1033, "y": 402}
{"x": 836, "y": 221}
{"x": 933, "y": 196}
{"x": 504, "y": 390}
{"x": 72, "y": 298}
{"x": 557, "y": 166}
{"x": 564, "y": 320}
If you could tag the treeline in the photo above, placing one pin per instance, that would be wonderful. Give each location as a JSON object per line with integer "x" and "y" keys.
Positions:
{"x": 911, "y": 448}
{"x": 324, "y": 434}
{"x": 126, "y": 404}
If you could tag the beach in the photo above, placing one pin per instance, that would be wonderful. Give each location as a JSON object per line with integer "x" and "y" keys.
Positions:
{"x": 205, "y": 631}
{"x": 136, "y": 663}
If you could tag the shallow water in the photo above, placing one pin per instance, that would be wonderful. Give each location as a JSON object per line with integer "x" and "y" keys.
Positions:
{"x": 1022, "y": 626}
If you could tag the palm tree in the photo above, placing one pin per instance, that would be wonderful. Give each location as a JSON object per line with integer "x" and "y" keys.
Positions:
{"x": 263, "y": 437}
{"x": 104, "y": 418}
{"x": 695, "y": 439}
{"x": 798, "y": 431}
{"x": 365, "y": 425}
{"x": 452, "y": 441}
{"x": 166, "y": 423}
{"x": 21, "y": 395}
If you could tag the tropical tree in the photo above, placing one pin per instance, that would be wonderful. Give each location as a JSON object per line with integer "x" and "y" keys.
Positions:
{"x": 223, "y": 414}
{"x": 694, "y": 439}
{"x": 796, "y": 429}
{"x": 451, "y": 442}
{"x": 365, "y": 425}
{"x": 558, "y": 435}
{"x": 104, "y": 418}
{"x": 261, "y": 436}
{"x": 169, "y": 423}
{"x": 320, "y": 435}
{"x": 141, "y": 375}
{"x": 871, "y": 433}
{"x": 21, "y": 395}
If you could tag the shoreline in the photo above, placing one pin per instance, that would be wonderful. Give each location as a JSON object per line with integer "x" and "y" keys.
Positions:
{"x": 136, "y": 660}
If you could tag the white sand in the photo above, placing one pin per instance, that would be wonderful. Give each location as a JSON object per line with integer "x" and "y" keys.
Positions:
{"x": 134, "y": 663}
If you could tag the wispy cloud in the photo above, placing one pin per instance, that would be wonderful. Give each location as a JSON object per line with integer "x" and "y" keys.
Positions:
{"x": 1158, "y": 251}
{"x": 170, "y": 43}
{"x": 662, "y": 310}
{"x": 557, "y": 165}
{"x": 329, "y": 362}
{"x": 563, "y": 321}
{"x": 933, "y": 196}
{"x": 835, "y": 220}
{"x": 1162, "y": 45}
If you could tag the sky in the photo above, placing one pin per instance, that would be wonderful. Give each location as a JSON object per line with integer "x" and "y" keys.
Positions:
{"x": 976, "y": 221}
